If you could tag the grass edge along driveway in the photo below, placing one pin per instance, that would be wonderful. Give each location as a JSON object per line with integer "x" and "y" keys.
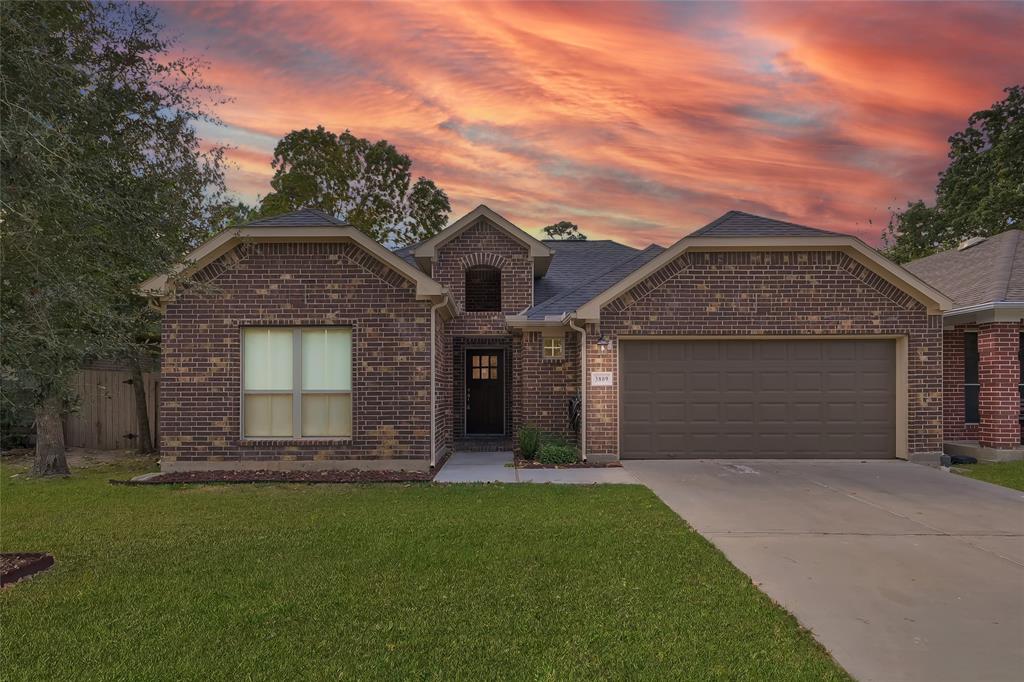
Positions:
{"x": 1006, "y": 474}
{"x": 379, "y": 581}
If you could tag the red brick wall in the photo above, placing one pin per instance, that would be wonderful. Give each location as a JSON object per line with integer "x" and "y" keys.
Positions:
{"x": 953, "y": 411}
{"x": 999, "y": 374}
{"x": 485, "y": 244}
{"x": 291, "y": 285}
{"x": 547, "y": 384}
{"x": 758, "y": 293}
{"x": 443, "y": 421}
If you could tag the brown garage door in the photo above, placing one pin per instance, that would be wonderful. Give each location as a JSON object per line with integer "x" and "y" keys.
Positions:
{"x": 758, "y": 399}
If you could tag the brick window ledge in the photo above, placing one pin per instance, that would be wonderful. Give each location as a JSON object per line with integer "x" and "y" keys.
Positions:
{"x": 281, "y": 442}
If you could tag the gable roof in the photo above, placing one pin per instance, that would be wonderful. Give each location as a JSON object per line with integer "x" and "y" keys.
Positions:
{"x": 307, "y": 225}
{"x": 989, "y": 271}
{"x": 575, "y": 262}
{"x": 765, "y": 234}
{"x": 424, "y": 252}
{"x": 304, "y": 217}
{"x": 740, "y": 224}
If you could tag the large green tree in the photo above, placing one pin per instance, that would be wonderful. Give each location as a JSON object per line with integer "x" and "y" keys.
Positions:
{"x": 367, "y": 184}
{"x": 981, "y": 192}
{"x": 104, "y": 183}
{"x": 565, "y": 230}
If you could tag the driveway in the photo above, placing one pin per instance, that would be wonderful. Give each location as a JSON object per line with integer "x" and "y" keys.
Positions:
{"x": 902, "y": 571}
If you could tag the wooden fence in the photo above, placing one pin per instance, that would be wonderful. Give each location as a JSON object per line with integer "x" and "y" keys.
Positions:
{"x": 105, "y": 419}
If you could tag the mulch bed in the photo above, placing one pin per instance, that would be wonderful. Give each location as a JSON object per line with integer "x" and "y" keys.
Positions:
{"x": 333, "y": 476}
{"x": 532, "y": 464}
{"x": 17, "y": 566}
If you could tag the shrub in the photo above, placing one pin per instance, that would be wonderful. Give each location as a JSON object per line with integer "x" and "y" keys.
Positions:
{"x": 551, "y": 453}
{"x": 529, "y": 442}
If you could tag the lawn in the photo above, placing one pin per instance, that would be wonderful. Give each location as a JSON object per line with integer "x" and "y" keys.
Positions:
{"x": 1009, "y": 474}
{"x": 378, "y": 581}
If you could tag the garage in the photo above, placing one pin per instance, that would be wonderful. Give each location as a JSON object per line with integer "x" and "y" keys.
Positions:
{"x": 764, "y": 398}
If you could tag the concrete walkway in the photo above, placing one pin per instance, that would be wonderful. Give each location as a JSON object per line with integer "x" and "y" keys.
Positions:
{"x": 490, "y": 467}
{"x": 903, "y": 572}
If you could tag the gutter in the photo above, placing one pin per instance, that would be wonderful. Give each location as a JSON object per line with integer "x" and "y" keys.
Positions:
{"x": 583, "y": 386}
{"x": 433, "y": 378}
{"x": 994, "y": 305}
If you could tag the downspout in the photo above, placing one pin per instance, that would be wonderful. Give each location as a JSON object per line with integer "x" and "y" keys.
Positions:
{"x": 433, "y": 379}
{"x": 583, "y": 386}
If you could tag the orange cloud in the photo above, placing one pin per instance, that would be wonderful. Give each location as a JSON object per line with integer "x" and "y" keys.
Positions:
{"x": 638, "y": 121}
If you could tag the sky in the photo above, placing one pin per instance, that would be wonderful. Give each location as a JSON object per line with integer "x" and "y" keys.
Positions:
{"x": 639, "y": 122}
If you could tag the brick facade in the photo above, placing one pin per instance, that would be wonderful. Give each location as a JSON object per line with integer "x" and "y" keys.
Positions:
{"x": 999, "y": 376}
{"x": 547, "y": 384}
{"x": 769, "y": 293}
{"x": 954, "y": 426}
{"x": 296, "y": 284}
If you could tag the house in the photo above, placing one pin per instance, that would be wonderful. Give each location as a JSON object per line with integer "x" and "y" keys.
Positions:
{"x": 299, "y": 342}
{"x": 983, "y": 343}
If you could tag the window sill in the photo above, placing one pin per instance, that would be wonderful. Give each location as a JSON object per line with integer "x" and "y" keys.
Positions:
{"x": 341, "y": 440}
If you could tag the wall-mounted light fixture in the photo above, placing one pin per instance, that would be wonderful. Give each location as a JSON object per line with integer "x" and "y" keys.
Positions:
{"x": 603, "y": 342}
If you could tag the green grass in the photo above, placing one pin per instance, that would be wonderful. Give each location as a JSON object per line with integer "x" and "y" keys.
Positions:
{"x": 1009, "y": 474}
{"x": 382, "y": 582}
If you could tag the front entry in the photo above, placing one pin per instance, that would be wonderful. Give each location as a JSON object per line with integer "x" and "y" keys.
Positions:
{"x": 485, "y": 391}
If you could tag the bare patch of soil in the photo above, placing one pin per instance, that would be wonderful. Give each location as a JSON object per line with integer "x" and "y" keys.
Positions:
{"x": 533, "y": 464}
{"x": 80, "y": 458}
{"x": 338, "y": 476}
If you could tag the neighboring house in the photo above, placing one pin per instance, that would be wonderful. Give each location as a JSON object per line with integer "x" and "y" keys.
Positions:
{"x": 299, "y": 342}
{"x": 983, "y": 377}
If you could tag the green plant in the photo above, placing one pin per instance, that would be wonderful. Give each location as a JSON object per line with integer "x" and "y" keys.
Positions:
{"x": 551, "y": 453}
{"x": 529, "y": 442}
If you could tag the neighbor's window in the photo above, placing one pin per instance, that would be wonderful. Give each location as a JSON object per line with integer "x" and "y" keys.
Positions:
{"x": 483, "y": 289}
{"x": 971, "y": 385}
{"x": 297, "y": 383}
{"x": 554, "y": 347}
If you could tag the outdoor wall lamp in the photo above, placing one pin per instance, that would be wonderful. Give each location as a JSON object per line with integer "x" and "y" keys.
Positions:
{"x": 603, "y": 342}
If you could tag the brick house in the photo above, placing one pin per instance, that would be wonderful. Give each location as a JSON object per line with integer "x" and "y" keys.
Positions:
{"x": 298, "y": 342}
{"x": 983, "y": 373}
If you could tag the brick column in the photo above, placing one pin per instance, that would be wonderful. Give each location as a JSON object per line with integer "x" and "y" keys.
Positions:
{"x": 953, "y": 411}
{"x": 999, "y": 374}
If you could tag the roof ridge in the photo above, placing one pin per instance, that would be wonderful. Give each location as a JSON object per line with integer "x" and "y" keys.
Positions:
{"x": 1006, "y": 269}
{"x": 600, "y": 274}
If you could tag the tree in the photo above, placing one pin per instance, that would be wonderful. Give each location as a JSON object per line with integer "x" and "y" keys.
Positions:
{"x": 367, "y": 184}
{"x": 981, "y": 192}
{"x": 564, "y": 230}
{"x": 104, "y": 183}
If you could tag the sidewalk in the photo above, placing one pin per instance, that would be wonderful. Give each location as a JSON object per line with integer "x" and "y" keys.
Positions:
{"x": 490, "y": 467}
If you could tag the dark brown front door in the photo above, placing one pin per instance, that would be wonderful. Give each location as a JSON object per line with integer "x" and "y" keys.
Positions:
{"x": 485, "y": 391}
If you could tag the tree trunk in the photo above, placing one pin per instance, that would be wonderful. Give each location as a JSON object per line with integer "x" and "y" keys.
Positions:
{"x": 50, "y": 459}
{"x": 141, "y": 408}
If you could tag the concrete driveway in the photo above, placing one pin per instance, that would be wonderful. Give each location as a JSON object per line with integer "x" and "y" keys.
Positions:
{"x": 902, "y": 571}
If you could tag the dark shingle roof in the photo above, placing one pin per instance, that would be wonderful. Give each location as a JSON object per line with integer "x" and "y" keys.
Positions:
{"x": 740, "y": 224}
{"x": 591, "y": 283}
{"x": 987, "y": 272}
{"x": 575, "y": 262}
{"x": 304, "y": 217}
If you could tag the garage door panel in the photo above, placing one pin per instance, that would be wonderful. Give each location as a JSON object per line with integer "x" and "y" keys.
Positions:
{"x": 784, "y": 398}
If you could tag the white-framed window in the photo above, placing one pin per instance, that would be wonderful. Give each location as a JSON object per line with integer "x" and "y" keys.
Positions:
{"x": 554, "y": 347}
{"x": 296, "y": 382}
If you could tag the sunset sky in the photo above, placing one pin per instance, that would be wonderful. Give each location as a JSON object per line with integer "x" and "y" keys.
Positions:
{"x": 639, "y": 122}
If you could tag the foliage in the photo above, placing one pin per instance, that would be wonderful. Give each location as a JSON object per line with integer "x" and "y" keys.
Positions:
{"x": 104, "y": 183}
{"x": 981, "y": 192}
{"x": 367, "y": 184}
{"x": 328, "y": 582}
{"x": 529, "y": 441}
{"x": 553, "y": 453}
{"x": 229, "y": 213}
{"x": 564, "y": 230}
{"x": 1008, "y": 474}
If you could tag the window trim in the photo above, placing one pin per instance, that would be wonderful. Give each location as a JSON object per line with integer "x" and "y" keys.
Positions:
{"x": 559, "y": 353}
{"x": 296, "y": 391}
{"x": 974, "y": 385}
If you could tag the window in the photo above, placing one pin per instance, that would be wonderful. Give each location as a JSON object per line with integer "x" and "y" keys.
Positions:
{"x": 483, "y": 289}
{"x": 971, "y": 386}
{"x": 554, "y": 347}
{"x": 485, "y": 367}
{"x": 297, "y": 383}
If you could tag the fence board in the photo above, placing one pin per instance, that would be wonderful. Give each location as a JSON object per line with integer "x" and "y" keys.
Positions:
{"x": 106, "y": 417}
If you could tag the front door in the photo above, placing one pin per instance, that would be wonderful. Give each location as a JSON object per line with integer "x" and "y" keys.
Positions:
{"x": 485, "y": 391}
